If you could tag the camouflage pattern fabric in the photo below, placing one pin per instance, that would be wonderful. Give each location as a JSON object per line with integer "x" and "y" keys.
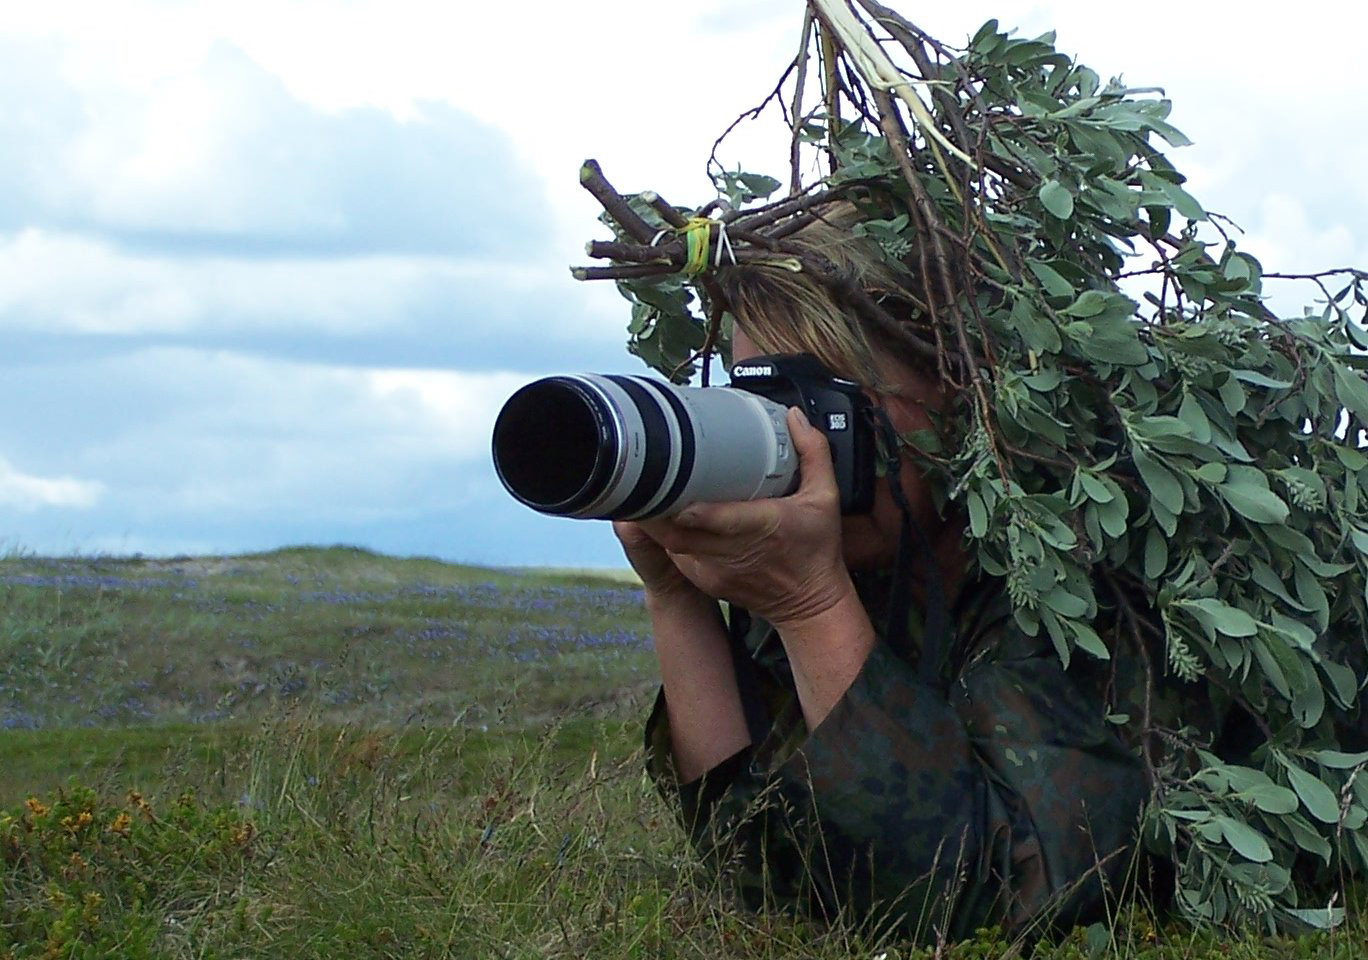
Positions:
{"x": 1004, "y": 798}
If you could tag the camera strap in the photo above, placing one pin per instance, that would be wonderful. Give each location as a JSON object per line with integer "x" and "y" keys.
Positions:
{"x": 913, "y": 546}
{"x": 747, "y": 676}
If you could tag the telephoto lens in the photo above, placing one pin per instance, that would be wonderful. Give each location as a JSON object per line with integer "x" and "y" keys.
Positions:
{"x": 618, "y": 447}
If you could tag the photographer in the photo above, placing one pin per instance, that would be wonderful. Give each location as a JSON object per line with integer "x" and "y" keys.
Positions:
{"x": 840, "y": 769}
{"x": 1110, "y": 596}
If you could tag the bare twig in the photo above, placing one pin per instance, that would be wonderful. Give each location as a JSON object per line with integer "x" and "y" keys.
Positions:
{"x": 776, "y": 95}
{"x": 629, "y": 272}
{"x": 795, "y": 141}
{"x": 617, "y": 207}
{"x": 1141, "y": 647}
{"x": 667, "y": 213}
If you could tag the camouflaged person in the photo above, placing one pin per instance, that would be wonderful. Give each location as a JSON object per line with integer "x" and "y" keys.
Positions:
{"x": 856, "y": 737}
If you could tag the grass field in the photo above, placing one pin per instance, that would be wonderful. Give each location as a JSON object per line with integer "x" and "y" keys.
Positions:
{"x": 329, "y": 753}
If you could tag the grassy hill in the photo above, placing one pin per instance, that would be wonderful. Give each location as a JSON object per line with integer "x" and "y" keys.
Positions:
{"x": 330, "y": 753}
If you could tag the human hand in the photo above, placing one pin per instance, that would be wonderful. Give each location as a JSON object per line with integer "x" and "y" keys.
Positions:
{"x": 660, "y": 578}
{"x": 780, "y": 558}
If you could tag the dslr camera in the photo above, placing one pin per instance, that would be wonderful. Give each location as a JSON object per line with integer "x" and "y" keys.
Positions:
{"x": 620, "y": 447}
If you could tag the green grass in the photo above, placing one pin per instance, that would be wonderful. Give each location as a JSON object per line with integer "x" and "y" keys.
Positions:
{"x": 328, "y": 753}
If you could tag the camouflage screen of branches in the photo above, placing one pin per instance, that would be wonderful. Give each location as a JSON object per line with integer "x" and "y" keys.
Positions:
{"x": 1162, "y": 470}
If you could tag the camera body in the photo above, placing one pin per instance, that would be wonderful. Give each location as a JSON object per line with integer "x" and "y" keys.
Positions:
{"x": 837, "y": 407}
{"x": 622, "y": 447}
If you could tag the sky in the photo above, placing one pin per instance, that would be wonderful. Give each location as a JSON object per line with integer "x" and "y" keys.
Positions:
{"x": 268, "y": 269}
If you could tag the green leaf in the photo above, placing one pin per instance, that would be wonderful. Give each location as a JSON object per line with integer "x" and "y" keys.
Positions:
{"x": 1051, "y": 279}
{"x": 1344, "y": 684}
{"x": 1065, "y": 603}
{"x": 1318, "y": 799}
{"x": 1163, "y": 485}
{"x": 1055, "y": 197}
{"x": 1156, "y": 554}
{"x": 1087, "y": 640}
{"x": 1311, "y": 593}
{"x": 1268, "y": 663}
{"x": 1095, "y": 488}
{"x": 1351, "y": 458}
{"x": 1338, "y": 760}
{"x": 1254, "y": 503}
{"x": 1089, "y": 304}
{"x": 1245, "y": 840}
{"x": 1263, "y": 575}
{"x": 1223, "y": 618}
{"x": 1112, "y": 515}
{"x": 1307, "y": 837}
{"x": 1211, "y": 472}
{"x": 1191, "y": 413}
{"x": 1351, "y": 391}
{"x": 1321, "y": 918}
{"x": 1232, "y": 395}
{"x": 1173, "y": 195}
{"x": 1259, "y": 380}
{"x": 1270, "y": 798}
{"x": 978, "y": 514}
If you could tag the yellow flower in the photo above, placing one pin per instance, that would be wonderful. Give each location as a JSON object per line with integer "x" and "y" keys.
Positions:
{"x": 121, "y": 823}
{"x": 36, "y": 807}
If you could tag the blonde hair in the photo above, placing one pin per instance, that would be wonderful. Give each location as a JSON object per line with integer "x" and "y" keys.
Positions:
{"x": 787, "y": 312}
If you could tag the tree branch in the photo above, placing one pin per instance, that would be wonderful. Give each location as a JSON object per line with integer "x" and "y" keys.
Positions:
{"x": 593, "y": 180}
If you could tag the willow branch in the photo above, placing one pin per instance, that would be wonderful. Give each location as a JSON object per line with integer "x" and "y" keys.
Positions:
{"x": 757, "y": 217}
{"x": 672, "y": 252}
{"x": 1133, "y": 621}
{"x": 667, "y": 213}
{"x": 925, "y": 207}
{"x": 903, "y": 32}
{"x": 795, "y": 141}
{"x": 628, "y": 272}
{"x": 1352, "y": 271}
{"x": 830, "y": 91}
{"x": 878, "y": 71}
{"x": 616, "y": 206}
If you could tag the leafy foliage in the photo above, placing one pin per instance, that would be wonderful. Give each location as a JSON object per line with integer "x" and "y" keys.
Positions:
{"x": 1166, "y": 475}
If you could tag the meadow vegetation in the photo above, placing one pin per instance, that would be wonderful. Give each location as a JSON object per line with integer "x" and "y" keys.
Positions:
{"x": 329, "y": 753}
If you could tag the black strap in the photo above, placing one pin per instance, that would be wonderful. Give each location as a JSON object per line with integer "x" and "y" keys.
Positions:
{"x": 936, "y": 625}
{"x": 747, "y": 677}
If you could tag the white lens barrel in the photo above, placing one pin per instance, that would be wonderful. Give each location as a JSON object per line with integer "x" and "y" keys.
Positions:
{"x": 627, "y": 447}
{"x": 743, "y": 449}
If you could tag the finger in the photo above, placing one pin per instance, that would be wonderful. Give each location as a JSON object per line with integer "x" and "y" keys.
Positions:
{"x": 816, "y": 474}
{"x": 634, "y": 535}
{"x": 728, "y": 520}
{"x": 677, "y": 538}
{"x": 627, "y": 531}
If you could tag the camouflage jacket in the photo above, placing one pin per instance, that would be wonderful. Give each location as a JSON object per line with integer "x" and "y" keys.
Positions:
{"x": 1001, "y": 796}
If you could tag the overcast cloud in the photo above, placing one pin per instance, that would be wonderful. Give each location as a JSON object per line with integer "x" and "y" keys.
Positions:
{"x": 268, "y": 268}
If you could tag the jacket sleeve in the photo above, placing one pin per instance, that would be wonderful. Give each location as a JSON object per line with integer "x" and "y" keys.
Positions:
{"x": 1006, "y": 800}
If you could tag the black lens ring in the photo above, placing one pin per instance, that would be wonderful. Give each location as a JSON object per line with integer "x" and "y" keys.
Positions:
{"x": 686, "y": 447}
{"x": 606, "y": 454}
{"x": 656, "y": 461}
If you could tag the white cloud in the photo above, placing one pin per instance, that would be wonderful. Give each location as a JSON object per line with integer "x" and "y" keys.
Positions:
{"x": 217, "y": 153}
{"x": 54, "y": 282}
{"x": 185, "y": 432}
{"x": 26, "y": 491}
